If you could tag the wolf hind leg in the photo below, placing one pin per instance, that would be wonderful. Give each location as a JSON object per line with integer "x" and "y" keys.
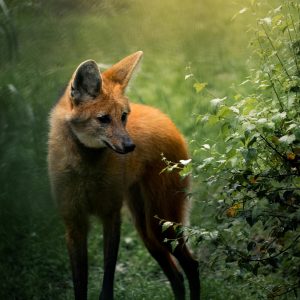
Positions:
{"x": 158, "y": 251}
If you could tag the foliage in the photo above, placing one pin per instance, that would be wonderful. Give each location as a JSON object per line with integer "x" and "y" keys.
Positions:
{"x": 256, "y": 161}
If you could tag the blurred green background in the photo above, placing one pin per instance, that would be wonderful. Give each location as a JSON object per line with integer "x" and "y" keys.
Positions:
{"x": 41, "y": 44}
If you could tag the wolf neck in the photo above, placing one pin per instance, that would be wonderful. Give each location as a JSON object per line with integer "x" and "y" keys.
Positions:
{"x": 85, "y": 150}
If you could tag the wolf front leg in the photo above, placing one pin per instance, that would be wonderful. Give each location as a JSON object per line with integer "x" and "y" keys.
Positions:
{"x": 111, "y": 235}
{"x": 76, "y": 236}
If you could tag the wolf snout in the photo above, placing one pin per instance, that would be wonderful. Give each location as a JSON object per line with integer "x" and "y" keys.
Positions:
{"x": 128, "y": 145}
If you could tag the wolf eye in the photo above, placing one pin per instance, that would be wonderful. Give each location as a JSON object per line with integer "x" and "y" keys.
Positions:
{"x": 124, "y": 117}
{"x": 104, "y": 119}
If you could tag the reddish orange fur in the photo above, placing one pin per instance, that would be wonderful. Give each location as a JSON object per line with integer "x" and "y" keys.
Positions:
{"x": 96, "y": 181}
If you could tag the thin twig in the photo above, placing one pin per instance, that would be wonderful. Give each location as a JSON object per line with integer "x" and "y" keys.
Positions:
{"x": 279, "y": 253}
{"x": 273, "y": 148}
{"x": 270, "y": 77}
{"x": 291, "y": 40}
{"x": 276, "y": 53}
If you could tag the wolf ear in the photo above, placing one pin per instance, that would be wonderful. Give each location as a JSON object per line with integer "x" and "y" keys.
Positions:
{"x": 122, "y": 72}
{"x": 87, "y": 81}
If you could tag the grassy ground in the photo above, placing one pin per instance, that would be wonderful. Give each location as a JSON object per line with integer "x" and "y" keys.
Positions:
{"x": 53, "y": 38}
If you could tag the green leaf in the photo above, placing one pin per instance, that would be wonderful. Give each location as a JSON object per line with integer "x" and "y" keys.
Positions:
{"x": 186, "y": 170}
{"x": 248, "y": 105}
{"x": 279, "y": 117}
{"x": 199, "y": 86}
{"x": 252, "y": 141}
{"x": 291, "y": 100}
{"x": 212, "y": 120}
{"x": 277, "y": 10}
{"x": 243, "y": 10}
{"x": 267, "y": 21}
{"x": 206, "y": 162}
{"x": 188, "y": 76}
{"x": 178, "y": 229}
{"x": 206, "y": 146}
{"x": 287, "y": 139}
{"x": 217, "y": 101}
{"x": 261, "y": 33}
{"x": 234, "y": 109}
{"x": 174, "y": 244}
{"x": 262, "y": 121}
{"x": 225, "y": 112}
{"x": 249, "y": 127}
{"x": 185, "y": 161}
{"x": 291, "y": 126}
{"x": 166, "y": 225}
{"x": 249, "y": 155}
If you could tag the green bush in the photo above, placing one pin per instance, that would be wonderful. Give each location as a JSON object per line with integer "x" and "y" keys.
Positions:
{"x": 254, "y": 165}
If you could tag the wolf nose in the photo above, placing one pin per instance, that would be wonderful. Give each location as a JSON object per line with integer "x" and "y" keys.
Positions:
{"x": 128, "y": 146}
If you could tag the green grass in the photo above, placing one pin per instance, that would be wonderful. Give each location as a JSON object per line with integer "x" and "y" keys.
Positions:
{"x": 54, "y": 37}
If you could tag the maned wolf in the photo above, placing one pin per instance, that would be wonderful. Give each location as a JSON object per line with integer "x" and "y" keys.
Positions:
{"x": 103, "y": 152}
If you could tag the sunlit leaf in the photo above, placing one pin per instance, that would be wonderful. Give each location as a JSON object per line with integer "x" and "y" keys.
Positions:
{"x": 243, "y": 10}
{"x": 279, "y": 116}
{"x": 212, "y": 120}
{"x": 206, "y": 146}
{"x": 166, "y": 225}
{"x": 262, "y": 121}
{"x": 186, "y": 170}
{"x": 185, "y": 161}
{"x": 291, "y": 126}
{"x": 199, "y": 86}
{"x": 267, "y": 21}
{"x": 188, "y": 76}
{"x": 246, "y": 81}
{"x": 287, "y": 139}
{"x": 278, "y": 9}
{"x": 234, "y": 109}
{"x": 224, "y": 112}
{"x": 217, "y": 101}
